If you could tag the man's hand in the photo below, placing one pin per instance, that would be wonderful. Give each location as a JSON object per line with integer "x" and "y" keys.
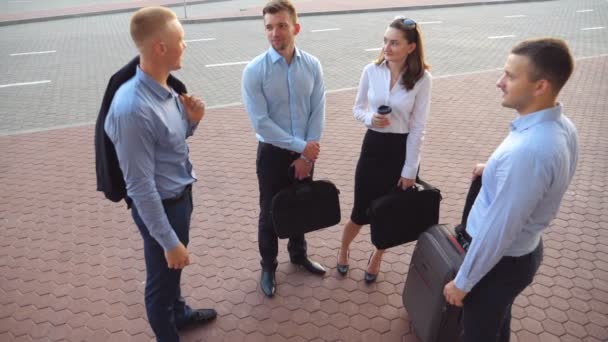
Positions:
{"x": 178, "y": 257}
{"x": 454, "y": 295}
{"x": 194, "y": 107}
{"x": 312, "y": 150}
{"x": 478, "y": 170}
{"x": 380, "y": 121}
{"x": 302, "y": 168}
{"x": 406, "y": 183}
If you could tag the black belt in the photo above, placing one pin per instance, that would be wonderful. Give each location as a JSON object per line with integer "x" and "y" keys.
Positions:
{"x": 276, "y": 148}
{"x": 176, "y": 199}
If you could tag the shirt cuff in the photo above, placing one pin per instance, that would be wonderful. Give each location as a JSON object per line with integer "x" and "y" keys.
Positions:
{"x": 409, "y": 172}
{"x": 168, "y": 240}
{"x": 462, "y": 283}
{"x": 368, "y": 120}
{"x": 298, "y": 145}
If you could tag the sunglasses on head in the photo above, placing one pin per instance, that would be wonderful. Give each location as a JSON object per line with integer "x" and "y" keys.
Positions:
{"x": 407, "y": 22}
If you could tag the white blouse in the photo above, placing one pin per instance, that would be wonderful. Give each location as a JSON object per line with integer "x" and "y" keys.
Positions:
{"x": 410, "y": 109}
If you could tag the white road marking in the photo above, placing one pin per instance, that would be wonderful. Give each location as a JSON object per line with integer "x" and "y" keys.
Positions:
{"x": 593, "y": 28}
{"x": 584, "y": 11}
{"x": 502, "y": 37}
{"x": 225, "y": 64}
{"x": 373, "y": 49}
{"x": 198, "y": 40}
{"x": 23, "y": 84}
{"x": 326, "y": 30}
{"x": 32, "y": 53}
{"x": 516, "y": 16}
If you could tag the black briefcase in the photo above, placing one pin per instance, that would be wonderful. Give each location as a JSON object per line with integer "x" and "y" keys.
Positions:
{"x": 402, "y": 215}
{"x": 305, "y": 206}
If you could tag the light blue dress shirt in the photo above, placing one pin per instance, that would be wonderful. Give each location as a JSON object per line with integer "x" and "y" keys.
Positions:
{"x": 285, "y": 102}
{"x": 523, "y": 184}
{"x": 148, "y": 126}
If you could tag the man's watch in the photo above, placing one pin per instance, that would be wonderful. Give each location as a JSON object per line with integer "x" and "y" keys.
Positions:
{"x": 305, "y": 159}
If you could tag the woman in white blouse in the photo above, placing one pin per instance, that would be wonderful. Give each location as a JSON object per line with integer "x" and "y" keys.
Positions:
{"x": 390, "y": 154}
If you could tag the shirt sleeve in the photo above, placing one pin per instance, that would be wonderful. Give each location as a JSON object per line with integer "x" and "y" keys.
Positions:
{"x": 521, "y": 183}
{"x": 360, "y": 109}
{"x": 134, "y": 139}
{"x": 257, "y": 109}
{"x": 316, "y": 121}
{"x": 417, "y": 123}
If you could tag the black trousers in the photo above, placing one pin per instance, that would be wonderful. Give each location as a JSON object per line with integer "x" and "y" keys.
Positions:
{"x": 487, "y": 308}
{"x": 272, "y": 166}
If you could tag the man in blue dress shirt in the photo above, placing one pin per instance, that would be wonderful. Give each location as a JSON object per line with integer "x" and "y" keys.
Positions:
{"x": 148, "y": 123}
{"x": 284, "y": 96}
{"x": 524, "y": 182}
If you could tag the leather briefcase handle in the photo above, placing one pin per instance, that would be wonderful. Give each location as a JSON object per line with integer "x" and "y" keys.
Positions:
{"x": 291, "y": 174}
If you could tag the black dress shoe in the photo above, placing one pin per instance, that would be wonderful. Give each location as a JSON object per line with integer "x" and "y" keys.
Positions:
{"x": 198, "y": 316}
{"x": 311, "y": 266}
{"x": 342, "y": 269}
{"x": 268, "y": 283}
{"x": 370, "y": 277}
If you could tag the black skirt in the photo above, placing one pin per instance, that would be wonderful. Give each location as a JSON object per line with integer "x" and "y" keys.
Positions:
{"x": 378, "y": 170}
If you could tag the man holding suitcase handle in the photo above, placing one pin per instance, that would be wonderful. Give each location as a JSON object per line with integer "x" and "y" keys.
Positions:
{"x": 523, "y": 184}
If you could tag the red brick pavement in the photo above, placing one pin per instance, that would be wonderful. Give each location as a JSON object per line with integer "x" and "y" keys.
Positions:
{"x": 71, "y": 263}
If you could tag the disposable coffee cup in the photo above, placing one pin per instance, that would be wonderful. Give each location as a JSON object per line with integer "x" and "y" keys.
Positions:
{"x": 383, "y": 110}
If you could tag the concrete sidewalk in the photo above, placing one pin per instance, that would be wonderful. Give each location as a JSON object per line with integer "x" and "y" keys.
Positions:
{"x": 305, "y": 8}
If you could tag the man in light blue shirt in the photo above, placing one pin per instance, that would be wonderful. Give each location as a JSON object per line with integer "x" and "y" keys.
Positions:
{"x": 148, "y": 123}
{"x": 284, "y": 96}
{"x": 524, "y": 182}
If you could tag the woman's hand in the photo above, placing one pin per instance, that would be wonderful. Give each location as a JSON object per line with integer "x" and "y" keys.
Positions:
{"x": 406, "y": 183}
{"x": 380, "y": 121}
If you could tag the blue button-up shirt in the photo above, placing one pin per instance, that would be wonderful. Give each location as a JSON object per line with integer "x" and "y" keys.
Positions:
{"x": 285, "y": 102}
{"x": 523, "y": 184}
{"x": 148, "y": 126}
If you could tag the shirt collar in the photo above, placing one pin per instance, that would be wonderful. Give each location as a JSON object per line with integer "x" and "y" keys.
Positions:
{"x": 157, "y": 89}
{"x": 275, "y": 56}
{"x": 524, "y": 122}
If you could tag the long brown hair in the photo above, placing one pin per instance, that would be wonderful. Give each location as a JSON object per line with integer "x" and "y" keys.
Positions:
{"x": 414, "y": 64}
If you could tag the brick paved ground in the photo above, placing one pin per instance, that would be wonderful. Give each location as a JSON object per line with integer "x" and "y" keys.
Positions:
{"x": 71, "y": 263}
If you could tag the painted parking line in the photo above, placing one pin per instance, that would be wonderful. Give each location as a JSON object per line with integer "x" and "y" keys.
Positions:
{"x": 373, "y": 49}
{"x": 326, "y": 30}
{"x": 502, "y": 37}
{"x": 593, "y": 28}
{"x": 225, "y": 64}
{"x": 516, "y": 16}
{"x": 584, "y": 10}
{"x": 32, "y": 53}
{"x": 23, "y": 84}
{"x": 198, "y": 40}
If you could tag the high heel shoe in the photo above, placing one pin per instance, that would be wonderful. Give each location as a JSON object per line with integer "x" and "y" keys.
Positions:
{"x": 370, "y": 277}
{"x": 342, "y": 269}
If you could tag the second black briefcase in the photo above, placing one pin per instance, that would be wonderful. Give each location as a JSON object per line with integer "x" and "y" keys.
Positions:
{"x": 401, "y": 216}
{"x": 305, "y": 206}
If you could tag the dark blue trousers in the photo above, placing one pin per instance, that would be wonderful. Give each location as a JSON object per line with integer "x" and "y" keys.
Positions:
{"x": 165, "y": 306}
{"x": 487, "y": 308}
{"x": 272, "y": 167}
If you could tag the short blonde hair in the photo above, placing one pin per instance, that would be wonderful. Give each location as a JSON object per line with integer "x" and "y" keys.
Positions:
{"x": 149, "y": 21}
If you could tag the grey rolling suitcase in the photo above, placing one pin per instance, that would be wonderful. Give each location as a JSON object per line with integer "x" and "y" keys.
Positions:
{"x": 435, "y": 262}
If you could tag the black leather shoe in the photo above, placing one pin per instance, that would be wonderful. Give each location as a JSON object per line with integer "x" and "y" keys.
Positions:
{"x": 198, "y": 316}
{"x": 311, "y": 266}
{"x": 370, "y": 277}
{"x": 342, "y": 269}
{"x": 268, "y": 283}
